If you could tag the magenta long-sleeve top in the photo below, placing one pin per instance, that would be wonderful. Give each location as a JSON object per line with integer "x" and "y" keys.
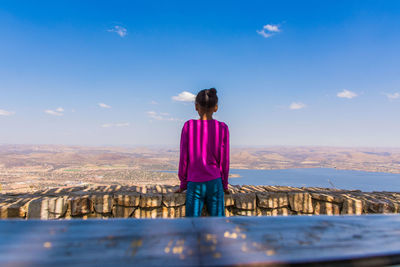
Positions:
{"x": 204, "y": 152}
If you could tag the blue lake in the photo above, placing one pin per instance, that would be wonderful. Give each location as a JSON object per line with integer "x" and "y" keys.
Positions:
{"x": 319, "y": 177}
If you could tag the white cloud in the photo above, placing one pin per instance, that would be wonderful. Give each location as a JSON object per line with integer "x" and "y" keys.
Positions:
{"x": 393, "y": 96}
{"x": 6, "y": 112}
{"x": 120, "y": 124}
{"x": 184, "y": 97}
{"x": 264, "y": 34}
{"x": 102, "y": 105}
{"x": 154, "y": 102}
{"x": 121, "y": 31}
{"x": 268, "y": 30}
{"x": 272, "y": 28}
{"x": 53, "y": 112}
{"x": 297, "y": 105}
{"x": 153, "y": 115}
{"x": 57, "y": 112}
{"x": 162, "y": 116}
{"x": 346, "y": 94}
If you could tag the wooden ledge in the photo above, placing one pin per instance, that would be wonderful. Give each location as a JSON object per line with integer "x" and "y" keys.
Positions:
{"x": 372, "y": 240}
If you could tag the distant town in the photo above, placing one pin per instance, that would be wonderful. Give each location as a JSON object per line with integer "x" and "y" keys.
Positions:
{"x": 26, "y": 168}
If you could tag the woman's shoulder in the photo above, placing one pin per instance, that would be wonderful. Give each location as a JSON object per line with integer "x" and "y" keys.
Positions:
{"x": 186, "y": 123}
{"x": 222, "y": 123}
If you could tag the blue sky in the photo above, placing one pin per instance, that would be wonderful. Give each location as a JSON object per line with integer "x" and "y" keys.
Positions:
{"x": 287, "y": 72}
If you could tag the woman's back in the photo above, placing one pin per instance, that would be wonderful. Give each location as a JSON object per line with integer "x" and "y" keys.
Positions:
{"x": 204, "y": 151}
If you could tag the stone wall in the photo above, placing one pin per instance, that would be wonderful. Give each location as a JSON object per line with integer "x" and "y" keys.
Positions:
{"x": 160, "y": 202}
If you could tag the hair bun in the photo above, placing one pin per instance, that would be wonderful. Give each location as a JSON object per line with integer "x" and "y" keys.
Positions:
{"x": 212, "y": 92}
{"x": 207, "y": 98}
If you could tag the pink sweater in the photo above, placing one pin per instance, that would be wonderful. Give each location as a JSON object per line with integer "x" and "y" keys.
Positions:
{"x": 204, "y": 152}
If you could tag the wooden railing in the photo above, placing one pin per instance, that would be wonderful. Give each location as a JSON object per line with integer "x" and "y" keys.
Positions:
{"x": 368, "y": 240}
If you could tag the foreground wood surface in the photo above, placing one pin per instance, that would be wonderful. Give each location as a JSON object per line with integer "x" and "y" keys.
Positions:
{"x": 368, "y": 240}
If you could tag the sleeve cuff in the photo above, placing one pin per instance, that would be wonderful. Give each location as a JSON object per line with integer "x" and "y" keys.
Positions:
{"x": 183, "y": 186}
{"x": 225, "y": 186}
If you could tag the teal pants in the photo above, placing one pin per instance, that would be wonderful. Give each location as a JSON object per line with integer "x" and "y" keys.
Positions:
{"x": 210, "y": 192}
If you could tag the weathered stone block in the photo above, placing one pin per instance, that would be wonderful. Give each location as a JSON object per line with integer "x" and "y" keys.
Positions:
{"x": 122, "y": 211}
{"x": 233, "y": 188}
{"x": 228, "y": 211}
{"x": 174, "y": 199}
{"x": 150, "y": 212}
{"x": 396, "y": 207}
{"x": 37, "y": 209}
{"x": 284, "y": 211}
{"x": 136, "y": 213}
{"x": 80, "y": 205}
{"x": 379, "y": 206}
{"x": 129, "y": 199}
{"x": 301, "y": 202}
{"x": 12, "y": 210}
{"x": 101, "y": 203}
{"x": 327, "y": 197}
{"x": 228, "y": 199}
{"x": 150, "y": 200}
{"x": 57, "y": 207}
{"x": 242, "y": 212}
{"x": 352, "y": 206}
{"x": 272, "y": 200}
{"x": 164, "y": 189}
{"x": 328, "y": 208}
{"x": 168, "y": 212}
{"x": 245, "y": 201}
{"x": 180, "y": 211}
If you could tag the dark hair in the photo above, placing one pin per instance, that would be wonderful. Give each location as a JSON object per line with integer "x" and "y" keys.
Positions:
{"x": 207, "y": 98}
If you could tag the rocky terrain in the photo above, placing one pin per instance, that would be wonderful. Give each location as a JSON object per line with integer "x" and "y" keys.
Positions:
{"x": 157, "y": 201}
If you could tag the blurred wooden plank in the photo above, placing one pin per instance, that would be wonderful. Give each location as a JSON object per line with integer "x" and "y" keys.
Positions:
{"x": 303, "y": 240}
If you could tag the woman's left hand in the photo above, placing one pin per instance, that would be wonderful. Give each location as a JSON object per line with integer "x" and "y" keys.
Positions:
{"x": 179, "y": 190}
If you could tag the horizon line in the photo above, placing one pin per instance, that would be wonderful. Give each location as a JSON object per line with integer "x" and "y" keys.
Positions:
{"x": 177, "y": 146}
